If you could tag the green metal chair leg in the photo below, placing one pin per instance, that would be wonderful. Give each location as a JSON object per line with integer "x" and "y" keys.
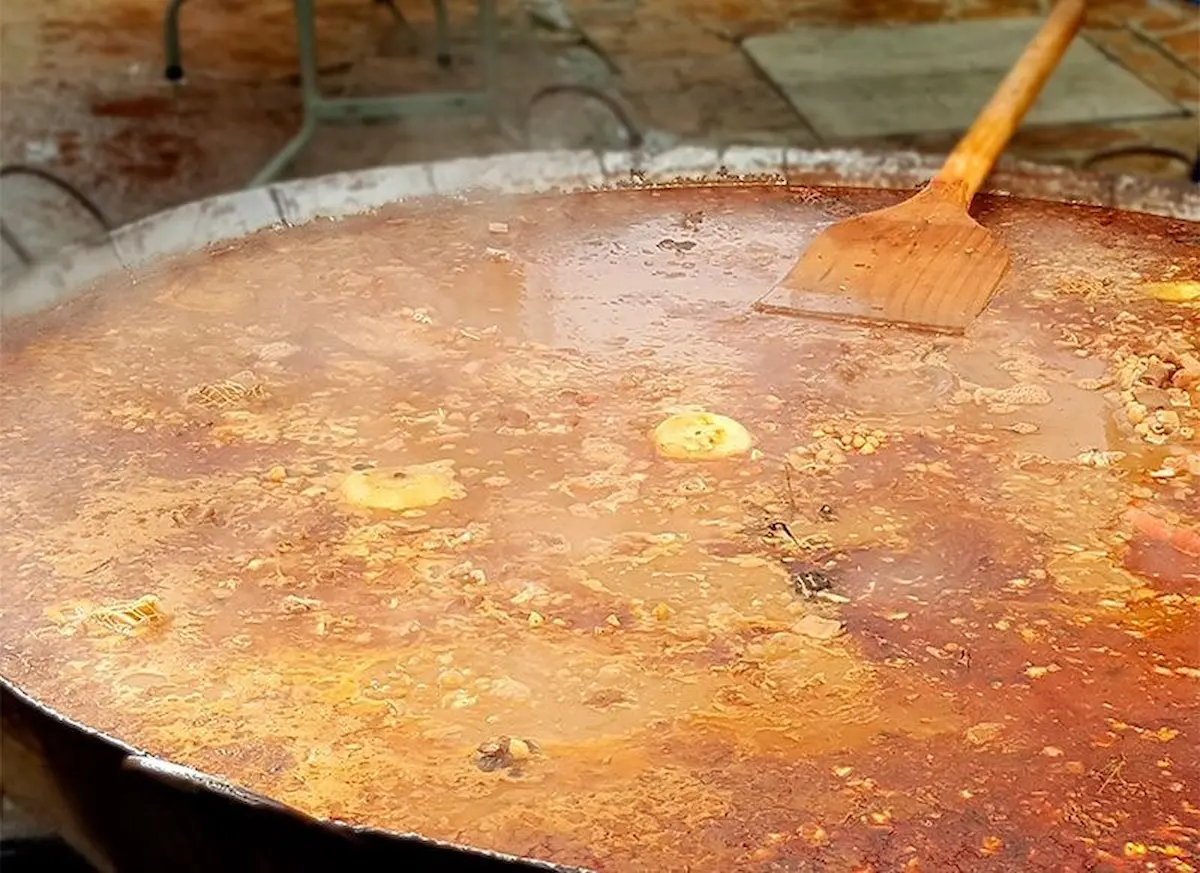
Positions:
{"x": 443, "y": 36}
{"x": 174, "y": 65}
{"x": 285, "y": 155}
{"x": 319, "y": 109}
{"x": 306, "y": 46}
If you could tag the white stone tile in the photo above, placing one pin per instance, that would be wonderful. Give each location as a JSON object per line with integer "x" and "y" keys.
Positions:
{"x": 864, "y": 82}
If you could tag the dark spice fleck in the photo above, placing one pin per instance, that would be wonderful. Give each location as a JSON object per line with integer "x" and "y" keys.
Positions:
{"x": 503, "y": 753}
{"x": 808, "y": 581}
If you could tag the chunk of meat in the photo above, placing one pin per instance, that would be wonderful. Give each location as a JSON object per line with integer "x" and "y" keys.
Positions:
{"x": 1184, "y": 538}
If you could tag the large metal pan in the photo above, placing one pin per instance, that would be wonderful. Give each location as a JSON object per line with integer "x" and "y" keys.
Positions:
{"x": 940, "y": 615}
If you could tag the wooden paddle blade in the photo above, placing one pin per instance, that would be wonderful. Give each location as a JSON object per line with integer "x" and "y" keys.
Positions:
{"x": 923, "y": 263}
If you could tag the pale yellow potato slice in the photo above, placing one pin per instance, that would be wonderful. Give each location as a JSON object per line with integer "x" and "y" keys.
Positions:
{"x": 1173, "y": 292}
{"x": 397, "y": 489}
{"x": 701, "y": 436}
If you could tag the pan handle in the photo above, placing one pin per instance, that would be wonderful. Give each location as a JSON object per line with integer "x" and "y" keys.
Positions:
{"x": 976, "y": 153}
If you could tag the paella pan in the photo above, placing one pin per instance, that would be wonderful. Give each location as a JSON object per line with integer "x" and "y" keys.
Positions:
{"x": 501, "y": 519}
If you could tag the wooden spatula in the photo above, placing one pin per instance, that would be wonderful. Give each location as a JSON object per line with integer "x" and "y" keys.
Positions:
{"x": 925, "y": 262}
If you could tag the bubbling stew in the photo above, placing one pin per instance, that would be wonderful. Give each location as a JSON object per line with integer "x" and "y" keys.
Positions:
{"x": 511, "y": 524}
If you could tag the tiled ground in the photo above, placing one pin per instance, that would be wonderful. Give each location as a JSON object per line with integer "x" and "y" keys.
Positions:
{"x": 853, "y": 82}
{"x": 82, "y": 92}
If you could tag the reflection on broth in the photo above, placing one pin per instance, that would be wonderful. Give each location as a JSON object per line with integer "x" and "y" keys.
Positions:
{"x": 511, "y": 525}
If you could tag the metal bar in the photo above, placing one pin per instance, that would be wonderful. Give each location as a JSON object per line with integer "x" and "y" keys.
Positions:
{"x": 348, "y": 110}
{"x": 306, "y": 46}
{"x": 10, "y": 239}
{"x": 488, "y": 50}
{"x": 488, "y": 42}
{"x": 287, "y": 154}
{"x": 343, "y": 110}
{"x": 174, "y": 66}
{"x": 442, "y": 38}
{"x": 310, "y": 94}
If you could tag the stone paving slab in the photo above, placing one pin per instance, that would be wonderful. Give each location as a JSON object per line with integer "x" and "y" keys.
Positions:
{"x": 877, "y": 81}
{"x": 1137, "y": 51}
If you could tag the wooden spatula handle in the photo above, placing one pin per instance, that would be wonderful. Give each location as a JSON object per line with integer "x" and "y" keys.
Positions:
{"x": 978, "y": 150}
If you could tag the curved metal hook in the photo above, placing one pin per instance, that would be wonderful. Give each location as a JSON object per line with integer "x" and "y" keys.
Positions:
{"x": 1120, "y": 151}
{"x": 6, "y": 234}
{"x": 632, "y": 131}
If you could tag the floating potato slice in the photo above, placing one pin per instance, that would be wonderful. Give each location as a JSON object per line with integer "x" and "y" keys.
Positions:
{"x": 397, "y": 489}
{"x": 1173, "y": 292}
{"x": 701, "y": 436}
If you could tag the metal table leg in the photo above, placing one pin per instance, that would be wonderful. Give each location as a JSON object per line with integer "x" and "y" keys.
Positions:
{"x": 443, "y": 36}
{"x": 319, "y": 109}
{"x": 174, "y": 65}
{"x": 310, "y": 93}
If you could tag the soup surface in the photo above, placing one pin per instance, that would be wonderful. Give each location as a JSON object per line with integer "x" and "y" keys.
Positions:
{"x": 381, "y": 519}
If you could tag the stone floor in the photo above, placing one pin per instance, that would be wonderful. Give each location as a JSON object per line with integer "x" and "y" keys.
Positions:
{"x": 82, "y": 92}
{"x": 852, "y": 83}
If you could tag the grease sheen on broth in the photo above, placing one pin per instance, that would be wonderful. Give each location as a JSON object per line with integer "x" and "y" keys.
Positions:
{"x": 587, "y": 651}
